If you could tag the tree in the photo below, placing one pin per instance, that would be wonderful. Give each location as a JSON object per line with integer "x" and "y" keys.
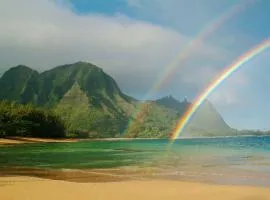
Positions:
{"x": 29, "y": 121}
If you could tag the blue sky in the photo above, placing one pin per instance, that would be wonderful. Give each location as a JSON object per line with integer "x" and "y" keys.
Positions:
{"x": 138, "y": 39}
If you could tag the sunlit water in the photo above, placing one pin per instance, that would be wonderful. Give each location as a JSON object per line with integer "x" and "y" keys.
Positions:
{"x": 238, "y": 160}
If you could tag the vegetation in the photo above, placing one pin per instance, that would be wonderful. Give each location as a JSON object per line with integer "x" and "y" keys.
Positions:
{"x": 29, "y": 121}
{"x": 151, "y": 121}
{"x": 87, "y": 120}
{"x": 91, "y": 104}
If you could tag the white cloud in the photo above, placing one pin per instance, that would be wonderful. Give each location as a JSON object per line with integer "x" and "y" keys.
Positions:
{"x": 43, "y": 34}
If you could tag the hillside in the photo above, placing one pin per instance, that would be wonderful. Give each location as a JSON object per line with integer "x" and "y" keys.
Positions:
{"x": 174, "y": 104}
{"x": 17, "y": 82}
{"x": 91, "y": 103}
{"x": 151, "y": 120}
{"x": 205, "y": 122}
{"x": 86, "y": 97}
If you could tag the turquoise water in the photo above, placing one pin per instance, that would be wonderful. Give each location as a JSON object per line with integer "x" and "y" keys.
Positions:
{"x": 247, "y": 156}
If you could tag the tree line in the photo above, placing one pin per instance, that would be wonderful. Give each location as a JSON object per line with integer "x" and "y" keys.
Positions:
{"x": 29, "y": 121}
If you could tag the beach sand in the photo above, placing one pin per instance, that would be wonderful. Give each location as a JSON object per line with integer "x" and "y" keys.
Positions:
{"x": 28, "y": 188}
{"x": 4, "y": 141}
{"x": 26, "y": 140}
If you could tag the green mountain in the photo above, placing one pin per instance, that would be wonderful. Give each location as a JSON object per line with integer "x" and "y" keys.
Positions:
{"x": 16, "y": 83}
{"x": 86, "y": 97}
{"x": 172, "y": 103}
{"x": 92, "y": 105}
{"x": 151, "y": 120}
{"x": 206, "y": 121}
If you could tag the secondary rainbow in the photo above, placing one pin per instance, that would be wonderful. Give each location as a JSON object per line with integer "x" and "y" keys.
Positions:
{"x": 239, "y": 62}
{"x": 185, "y": 53}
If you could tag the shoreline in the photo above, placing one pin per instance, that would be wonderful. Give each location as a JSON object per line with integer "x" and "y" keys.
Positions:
{"x": 24, "y": 187}
{"x": 97, "y": 175}
{"x": 181, "y": 138}
{"x": 30, "y": 140}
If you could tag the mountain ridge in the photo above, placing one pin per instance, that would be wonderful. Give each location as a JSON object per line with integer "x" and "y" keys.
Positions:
{"x": 90, "y": 101}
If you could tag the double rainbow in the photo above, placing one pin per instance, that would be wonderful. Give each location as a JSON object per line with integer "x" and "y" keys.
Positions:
{"x": 239, "y": 62}
{"x": 184, "y": 54}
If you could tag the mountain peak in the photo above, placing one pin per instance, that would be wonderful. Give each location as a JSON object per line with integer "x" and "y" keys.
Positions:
{"x": 79, "y": 67}
{"x": 21, "y": 68}
{"x": 84, "y": 65}
{"x": 168, "y": 98}
{"x": 173, "y": 103}
{"x": 13, "y": 83}
{"x": 49, "y": 87}
{"x": 18, "y": 72}
{"x": 90, "y": 100}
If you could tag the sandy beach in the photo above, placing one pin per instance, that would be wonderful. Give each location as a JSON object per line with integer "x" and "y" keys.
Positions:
{"x": 64, "y": 171}
{"x": 26, "y": 140}
{"x": 25, "y": 188}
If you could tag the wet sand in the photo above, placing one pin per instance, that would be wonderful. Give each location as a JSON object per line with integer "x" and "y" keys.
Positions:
{"x": 25, "y": 188}
{"x": 244, "y": 178}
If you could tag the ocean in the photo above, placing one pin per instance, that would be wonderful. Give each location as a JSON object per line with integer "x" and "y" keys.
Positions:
{"x": 230, "y": 160}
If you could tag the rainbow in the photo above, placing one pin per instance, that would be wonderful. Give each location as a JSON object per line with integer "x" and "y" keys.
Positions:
{"x": 239, "y": 62}
{"x": 184, "y": 54}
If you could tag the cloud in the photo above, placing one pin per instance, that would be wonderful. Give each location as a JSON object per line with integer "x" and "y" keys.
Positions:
{"x": 43, "y": 34}
{"x": 229, "y": 93}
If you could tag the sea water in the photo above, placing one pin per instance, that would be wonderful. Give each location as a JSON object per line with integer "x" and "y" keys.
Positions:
{"x": 231, "y": 160}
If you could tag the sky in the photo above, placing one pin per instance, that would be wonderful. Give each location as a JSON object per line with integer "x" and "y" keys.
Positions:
{"x": 139, "y": 42}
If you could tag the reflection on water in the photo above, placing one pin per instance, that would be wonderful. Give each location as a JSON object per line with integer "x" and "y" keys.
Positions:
{"x": 225, "y": 160}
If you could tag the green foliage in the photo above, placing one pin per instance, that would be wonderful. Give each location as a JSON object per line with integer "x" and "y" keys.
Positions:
{"x": 174, "y": 104}
{"x": 87, "y": 99}
{"x": 29, "y": 121}
{"x": 88, "y": 120}
{"x": 91, "y": 104}
{"x": 152, "y": 121}
{"x": 206, "y": 121}
{"x": 15, "y": 82}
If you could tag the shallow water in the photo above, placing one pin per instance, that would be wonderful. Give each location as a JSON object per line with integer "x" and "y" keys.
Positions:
{"x": 236, "y": 160}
